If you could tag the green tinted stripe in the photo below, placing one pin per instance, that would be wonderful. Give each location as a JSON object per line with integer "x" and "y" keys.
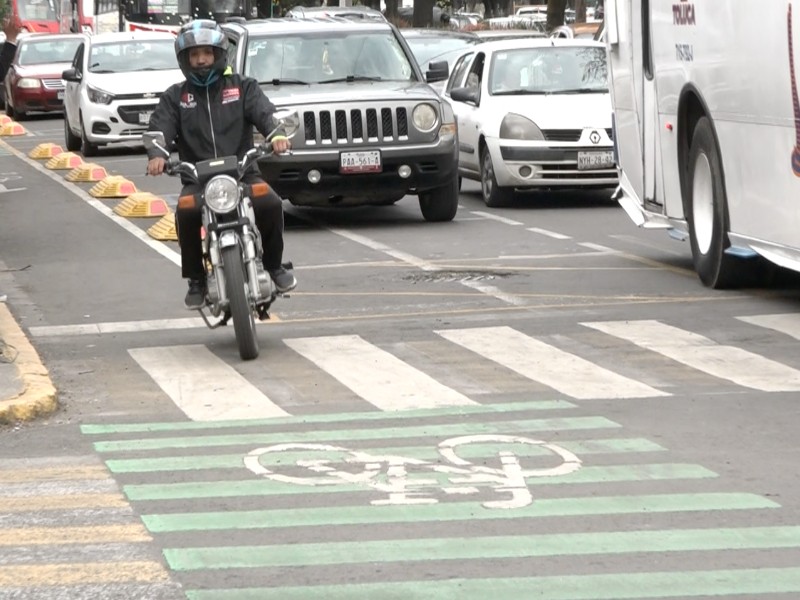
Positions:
{"x": 232, "y": 461}
{"x": 516, "y": 546}
{"x": 331, "y": 418}
{"x": 267, "y": 487}
{"x": 451, "y": 511}
{"x": 451, "y": 429}
{"x": 614, "y": 586}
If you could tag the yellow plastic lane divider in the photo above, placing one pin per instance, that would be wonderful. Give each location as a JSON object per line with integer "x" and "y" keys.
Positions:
{"x": 164, "y": 229}
{"x": 113, "y": 186}
{"x": 12, "y": 128}
{"x": 63, "y": 161}
{"x": 46, "y": 150}
{"x": 142, "y": 204}
{"x": 87, "y": 172}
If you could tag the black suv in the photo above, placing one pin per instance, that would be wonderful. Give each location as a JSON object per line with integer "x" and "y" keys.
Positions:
{"x": 371, "y": 128}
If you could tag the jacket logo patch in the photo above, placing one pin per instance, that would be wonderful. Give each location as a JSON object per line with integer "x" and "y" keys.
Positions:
{"x": 230, "y": 95}
{"x": 188, "y": 101}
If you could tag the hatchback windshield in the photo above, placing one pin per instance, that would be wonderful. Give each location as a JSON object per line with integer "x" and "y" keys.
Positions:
{"x": 133, "y": 55}
{"x": 428, "y": 47}
{"x": 549, "y": 70}
{"x": 48, "y": 51}
{"x": 329, "y": 57}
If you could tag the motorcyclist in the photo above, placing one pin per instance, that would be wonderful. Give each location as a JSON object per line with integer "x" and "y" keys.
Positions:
{"x": 212, "y": 114}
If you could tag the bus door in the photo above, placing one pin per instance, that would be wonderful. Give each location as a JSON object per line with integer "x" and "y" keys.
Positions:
{"x": 633, "y": 87}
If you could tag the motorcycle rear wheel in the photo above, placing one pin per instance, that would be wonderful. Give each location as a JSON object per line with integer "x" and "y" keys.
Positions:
{"x": 244, "y": 324}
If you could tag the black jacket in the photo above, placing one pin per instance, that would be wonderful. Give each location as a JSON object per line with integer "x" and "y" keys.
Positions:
{"x": 6, "y": 58}
{"x": 215, "y": 121}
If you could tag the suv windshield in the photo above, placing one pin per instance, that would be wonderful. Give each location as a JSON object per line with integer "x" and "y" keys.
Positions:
{"x": 549, "y": 70}
{"x": 128, "y": 56}
{"x": 328, "y": 56}
{"x": 51, "y": 51}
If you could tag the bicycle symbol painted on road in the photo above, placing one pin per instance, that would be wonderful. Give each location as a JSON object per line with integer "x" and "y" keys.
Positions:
{"x": 407, "y": 480}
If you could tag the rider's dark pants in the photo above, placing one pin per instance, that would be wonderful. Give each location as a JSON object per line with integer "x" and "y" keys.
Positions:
{"x": 268, "y": 211}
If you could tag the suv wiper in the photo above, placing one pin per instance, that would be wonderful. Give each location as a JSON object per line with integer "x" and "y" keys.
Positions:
{"x": 350, "y": 78}
{"x": 278, "y": 81}
{"x": 520, "y": 93}
{"x": 582, "y": 91}
{"x": 102, "y": 71}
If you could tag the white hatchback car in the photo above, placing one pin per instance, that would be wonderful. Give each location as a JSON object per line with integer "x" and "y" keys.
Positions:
{"x": 533, "y": 113}
{"x": 114, "y": 85}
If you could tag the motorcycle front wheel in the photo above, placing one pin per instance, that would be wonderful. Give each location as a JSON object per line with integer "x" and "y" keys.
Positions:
{"x": 244, "y": 323}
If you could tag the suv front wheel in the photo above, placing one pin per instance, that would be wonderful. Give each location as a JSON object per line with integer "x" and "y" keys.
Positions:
{"x": 440, "y": 204}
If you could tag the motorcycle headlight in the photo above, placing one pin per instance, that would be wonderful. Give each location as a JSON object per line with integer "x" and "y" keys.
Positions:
{"x": 99, "y": 96}
{"x": 29, "y": 82}
{"x": 517, "y": 127}
{"x": 424, "y": 117}
{"x": 222, "y": 194}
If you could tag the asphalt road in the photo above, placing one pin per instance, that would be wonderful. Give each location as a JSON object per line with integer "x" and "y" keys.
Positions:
{"x": 534, "y": 402}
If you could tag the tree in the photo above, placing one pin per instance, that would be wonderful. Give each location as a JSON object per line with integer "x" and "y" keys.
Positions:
{"x": 423, "y": 13}
{"x": 555, "y": 13}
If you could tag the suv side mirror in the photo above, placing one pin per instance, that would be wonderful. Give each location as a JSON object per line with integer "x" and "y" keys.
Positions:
{"x": 70, "y": 75}
{"x": 464, "y": 94}
{"x": 437, "y": 71}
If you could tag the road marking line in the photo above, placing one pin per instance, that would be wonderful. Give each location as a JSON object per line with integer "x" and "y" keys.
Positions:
{"x": 42, "y": 474}
{"x": 788, "y": 323}
{"x": 519, "y": 426}
{"x": 481, "y": 548}
{"x": 202, "y": 385}
{"x": 598, "y": 247}
{"x": 378, "y": 377}
{"x": 698, "y": 352}
{"x": 497, "y": 218}
{"x": 541, "y": 362}
{"x": 81, "y": 573}
{"x": 552, "y": 234}
{"x": 452, "y": 511}
{"x": 93, "y": 534}
{"x": 60, "y": 502}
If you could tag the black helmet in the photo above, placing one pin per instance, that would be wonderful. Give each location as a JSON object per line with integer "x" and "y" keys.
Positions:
{"x": 197, "y": 33}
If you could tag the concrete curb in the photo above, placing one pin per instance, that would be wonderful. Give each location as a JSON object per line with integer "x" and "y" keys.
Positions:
{"x": 38, "y": 396}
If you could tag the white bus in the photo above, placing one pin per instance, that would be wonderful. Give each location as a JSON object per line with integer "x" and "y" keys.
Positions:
{"x": 707, "y": 127}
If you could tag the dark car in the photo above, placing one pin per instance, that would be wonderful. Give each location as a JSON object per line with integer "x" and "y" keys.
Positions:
{"x": 33, "y": 82}
{"x": 372, "y": 130}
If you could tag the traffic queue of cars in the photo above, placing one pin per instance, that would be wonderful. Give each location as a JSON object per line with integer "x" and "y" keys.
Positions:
{"x": 384, "y": 112}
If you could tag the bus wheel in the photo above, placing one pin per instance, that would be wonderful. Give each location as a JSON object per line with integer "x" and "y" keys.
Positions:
{"x": 708, "y": 210}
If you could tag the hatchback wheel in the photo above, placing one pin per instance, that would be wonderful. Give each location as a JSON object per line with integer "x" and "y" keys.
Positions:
{"x": 72, "y": 141}
{"x": 87, "y": 147}
{"x": 494, "y": 196}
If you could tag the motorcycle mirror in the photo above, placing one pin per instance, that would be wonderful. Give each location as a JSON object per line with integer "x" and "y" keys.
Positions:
{"x": 288, "y": 120}
{"x": 155, "y": 139}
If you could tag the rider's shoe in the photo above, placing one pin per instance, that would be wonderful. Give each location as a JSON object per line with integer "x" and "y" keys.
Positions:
{"x": 196, "y": 296}
{"x": 284, "y": 280}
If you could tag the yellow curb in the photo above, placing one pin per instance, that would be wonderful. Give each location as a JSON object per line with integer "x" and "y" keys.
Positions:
{"x": 38, "y": 395}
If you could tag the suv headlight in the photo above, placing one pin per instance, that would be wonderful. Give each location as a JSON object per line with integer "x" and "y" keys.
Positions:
{"x": 424, "y": 117}
{"x": 99, "y": 96}
{"x": 222, "y": 194}
{"x": 517, "y": 127}
{"x": 29, "y": 82}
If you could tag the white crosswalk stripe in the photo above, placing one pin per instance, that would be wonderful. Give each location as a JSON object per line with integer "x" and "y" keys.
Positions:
{"x": 203, "y": 386}
{"x": 725, "y": 362}
{"x": 377, "y": 376}
{"x": 569, "y": 374}
{"x": 206, "y": 388}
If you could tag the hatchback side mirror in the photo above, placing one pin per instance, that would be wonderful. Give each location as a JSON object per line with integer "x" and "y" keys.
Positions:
{"x": 464, "y": 94}
{"x": 70, "y": 75}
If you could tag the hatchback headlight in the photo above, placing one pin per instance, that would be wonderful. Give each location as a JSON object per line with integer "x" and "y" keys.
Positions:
{"x": 222, "y": 194}
{"x": 99, "y": 96}
{"x": 29, "y": 82}
{"x": 517, "y": 127}
{"x": 424, "y": 117}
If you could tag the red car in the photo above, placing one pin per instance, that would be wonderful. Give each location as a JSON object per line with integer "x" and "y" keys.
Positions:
{"x": 33, "y": 82}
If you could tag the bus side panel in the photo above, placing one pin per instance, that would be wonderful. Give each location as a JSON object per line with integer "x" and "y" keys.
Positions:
{"x": 624, "y": 83}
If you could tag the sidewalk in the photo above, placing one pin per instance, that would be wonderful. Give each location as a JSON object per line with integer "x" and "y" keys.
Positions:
{"x": 26, "y": 391}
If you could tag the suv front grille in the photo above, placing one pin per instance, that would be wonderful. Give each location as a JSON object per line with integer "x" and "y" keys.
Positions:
{"x": 384, "y": 124}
